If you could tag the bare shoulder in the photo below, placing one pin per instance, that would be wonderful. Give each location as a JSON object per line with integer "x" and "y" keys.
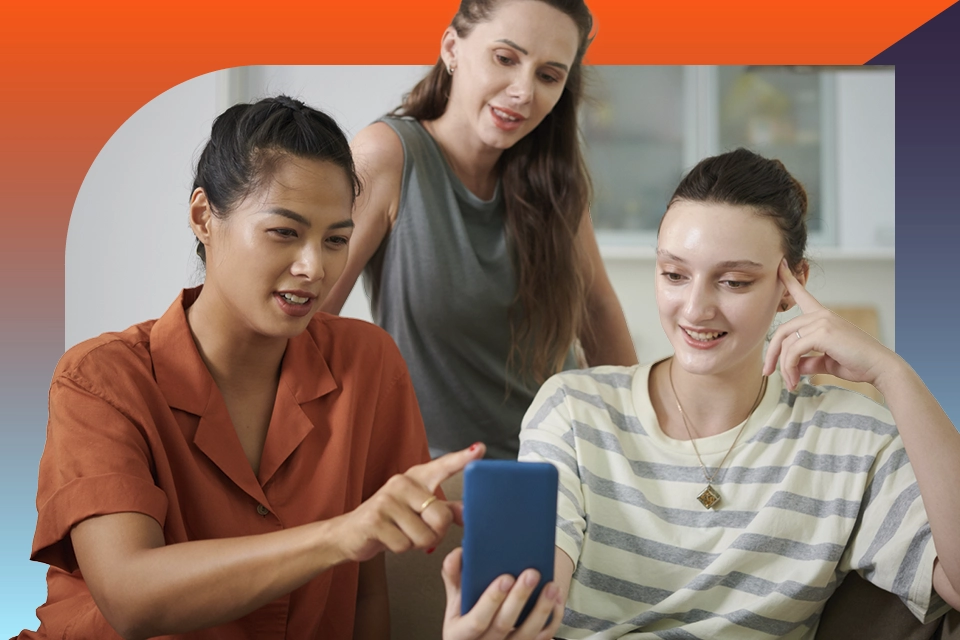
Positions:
{"x": 378, "y": 152}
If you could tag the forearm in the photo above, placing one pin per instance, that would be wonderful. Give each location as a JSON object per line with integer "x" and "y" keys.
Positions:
{"x": 340, "y": 291}
{"x": 933, "y": 446}
{"x": 195, "y": 585}
{"x": 606, "y": 338}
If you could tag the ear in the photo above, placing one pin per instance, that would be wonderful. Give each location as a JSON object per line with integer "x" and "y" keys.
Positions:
{"x": 787, "y": 301}
{"x": 201, "y": 216}
{"x": 448, "y": 48}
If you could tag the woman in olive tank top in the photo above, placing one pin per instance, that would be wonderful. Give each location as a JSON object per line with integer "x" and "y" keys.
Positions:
{"x": 473, "y": 230}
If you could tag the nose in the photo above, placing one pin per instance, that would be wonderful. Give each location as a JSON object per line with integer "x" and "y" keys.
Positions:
{"x": 309, "y": 262}
{"x": 522, "y": 86}
{"x": 700, "y": 303}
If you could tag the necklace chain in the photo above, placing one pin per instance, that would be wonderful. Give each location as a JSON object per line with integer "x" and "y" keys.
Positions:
{"x": 709, "y": 497}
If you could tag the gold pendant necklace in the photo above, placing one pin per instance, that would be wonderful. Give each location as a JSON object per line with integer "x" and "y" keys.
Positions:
{"x": 710, "y": 497}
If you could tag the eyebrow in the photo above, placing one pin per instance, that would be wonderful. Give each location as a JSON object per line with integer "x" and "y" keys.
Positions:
{"x": 296, "y": 217}
{"x": 507, "y": 41}
{"x": 727, "y": 264}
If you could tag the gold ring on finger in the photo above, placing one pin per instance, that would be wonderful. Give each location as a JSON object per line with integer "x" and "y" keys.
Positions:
{"x": 426, "y": 503}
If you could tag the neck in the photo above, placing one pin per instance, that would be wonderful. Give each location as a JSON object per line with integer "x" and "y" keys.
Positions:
{"x": 473, "y": 162}
{"x": 712, "y": 404}
{"x": 235, "y": 356}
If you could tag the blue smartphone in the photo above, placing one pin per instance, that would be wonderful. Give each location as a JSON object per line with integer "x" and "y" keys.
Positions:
{"x": 509, "y": 525}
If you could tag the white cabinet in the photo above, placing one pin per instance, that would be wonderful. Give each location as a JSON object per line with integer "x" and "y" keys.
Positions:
{"x": 644, "y": 126}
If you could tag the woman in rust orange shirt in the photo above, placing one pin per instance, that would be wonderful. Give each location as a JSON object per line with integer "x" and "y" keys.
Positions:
{"x": 235, "y": 468}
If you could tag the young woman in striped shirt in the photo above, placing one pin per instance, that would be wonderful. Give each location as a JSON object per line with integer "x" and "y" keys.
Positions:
{"x": 711, "y": 495}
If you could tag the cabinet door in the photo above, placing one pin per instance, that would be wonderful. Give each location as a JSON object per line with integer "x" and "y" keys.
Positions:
{"x": 785, "y": 113}
{"x": 637, "y": 126}
{"x": 644, "y": 126}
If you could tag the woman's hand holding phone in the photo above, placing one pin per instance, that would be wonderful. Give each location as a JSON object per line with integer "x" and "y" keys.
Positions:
{"x": 497, "y": 610}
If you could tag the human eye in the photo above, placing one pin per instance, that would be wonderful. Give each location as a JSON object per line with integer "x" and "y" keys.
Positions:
{"x": 549, "y": 78}
{"x": 671, "y": 276}
{"x": 283, "y": 233}
{"x": 338, "y": 242}
{"x": 736, "y": 284}
{"x": 504, "y": 58}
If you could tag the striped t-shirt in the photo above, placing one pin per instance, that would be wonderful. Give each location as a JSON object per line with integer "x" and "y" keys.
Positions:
{"x": 818, "y": 485}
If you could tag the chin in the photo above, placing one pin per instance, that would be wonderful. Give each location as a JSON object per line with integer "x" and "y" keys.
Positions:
{"x": 498, "y": 139}
{"x": 699, "y": 362}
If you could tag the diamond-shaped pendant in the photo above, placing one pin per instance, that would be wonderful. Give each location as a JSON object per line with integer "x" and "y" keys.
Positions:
{"x": 709, "y": 497}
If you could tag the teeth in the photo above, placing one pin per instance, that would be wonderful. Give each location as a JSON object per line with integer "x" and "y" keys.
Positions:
{"x": 504, "y": 115}
{"x": 289, "y": 297}
{"x": 705, "y": 337}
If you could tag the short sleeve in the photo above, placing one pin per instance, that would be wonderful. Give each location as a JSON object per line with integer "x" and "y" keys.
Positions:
{"x": 892, "y": 545}
{"x": 399, "y": 440}
{"x": 96, "y": 461}
{"x": 547, "y": 436}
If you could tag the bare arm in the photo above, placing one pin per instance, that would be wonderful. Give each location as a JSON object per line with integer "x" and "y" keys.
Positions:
{"x": 372, "y": 620}
{"x": 378, "y": 155}
{"x": 606, "y": 338}
{"x": 145, "y": 588}
{"x": 933, "y": 446}
{"x": 930, "y": 439}
{"x": 562, "y": 573}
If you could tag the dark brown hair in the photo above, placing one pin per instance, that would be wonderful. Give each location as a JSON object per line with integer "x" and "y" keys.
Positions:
{"x": 744, "y": 178}
{"x": 546, "y": 190}
{"x": 248, "y": 140}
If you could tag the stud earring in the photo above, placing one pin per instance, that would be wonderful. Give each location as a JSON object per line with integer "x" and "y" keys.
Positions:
{"x": 450, "y": 69}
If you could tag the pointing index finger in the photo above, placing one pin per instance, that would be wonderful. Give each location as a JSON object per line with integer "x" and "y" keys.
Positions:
{"x": 432, "y": 473}
{"x": 804, "y": 298}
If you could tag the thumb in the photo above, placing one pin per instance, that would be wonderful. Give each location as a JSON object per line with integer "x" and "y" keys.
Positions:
{"x": 456, "y": 509}
{"x": 812, "y": 365}
{"x": 451, "y": 581}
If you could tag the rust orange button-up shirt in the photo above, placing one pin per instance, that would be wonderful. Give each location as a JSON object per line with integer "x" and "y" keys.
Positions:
{"x": 138, "y": 424}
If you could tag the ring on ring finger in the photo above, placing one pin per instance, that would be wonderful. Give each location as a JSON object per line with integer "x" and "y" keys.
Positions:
{"x": 426, "y": 503}
{"x": 798, "y": 334}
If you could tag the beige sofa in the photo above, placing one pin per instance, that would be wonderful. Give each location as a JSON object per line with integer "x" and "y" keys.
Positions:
{"x": 857, "y": 609}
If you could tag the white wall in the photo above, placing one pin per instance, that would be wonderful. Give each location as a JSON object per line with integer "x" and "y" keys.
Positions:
{"x": 865, "y": 168}
{"x": 129, "y": 249}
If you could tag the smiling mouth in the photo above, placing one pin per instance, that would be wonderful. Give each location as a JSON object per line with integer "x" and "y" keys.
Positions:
{"x": 705, "y": 336}
{"x": 292, "y": 299}
{"x": 506, "y": 116}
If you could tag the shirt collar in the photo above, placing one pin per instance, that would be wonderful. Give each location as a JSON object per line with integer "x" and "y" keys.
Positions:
{"x": 185, "y": 381}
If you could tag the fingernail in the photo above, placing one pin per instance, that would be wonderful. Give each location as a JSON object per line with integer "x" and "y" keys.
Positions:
{"x": 431, "y": 550}
{"x": 474, "y": 446}
{"x": 531, "y": 578}
{"x": 551, "y": 592}
{"x": 505, "y": 583}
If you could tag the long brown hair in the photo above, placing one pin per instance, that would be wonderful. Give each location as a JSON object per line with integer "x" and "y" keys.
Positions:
{"x": 546, "y": 191}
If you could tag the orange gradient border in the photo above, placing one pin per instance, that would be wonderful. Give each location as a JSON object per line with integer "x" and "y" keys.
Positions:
{"x": 75, "y": 71}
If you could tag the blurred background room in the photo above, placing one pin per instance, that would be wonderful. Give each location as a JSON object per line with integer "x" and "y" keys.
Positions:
{"x": 129, "y": 250}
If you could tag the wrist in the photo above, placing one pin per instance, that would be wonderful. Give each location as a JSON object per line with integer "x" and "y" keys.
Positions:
{"x": 331, "y": 541}
{"x": 892, "y": 372}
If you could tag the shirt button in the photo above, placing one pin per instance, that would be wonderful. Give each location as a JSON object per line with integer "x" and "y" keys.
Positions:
{"x": 262, "y": 510}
